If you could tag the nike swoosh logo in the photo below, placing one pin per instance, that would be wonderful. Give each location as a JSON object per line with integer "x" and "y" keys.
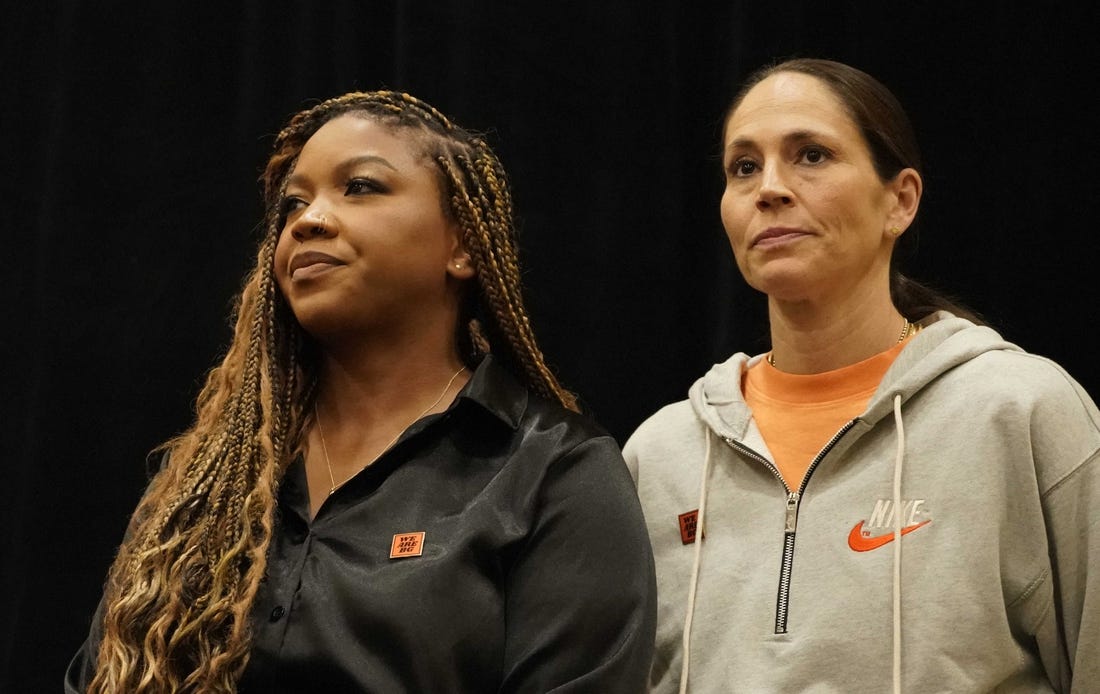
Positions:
{"x": 859, "y": 543}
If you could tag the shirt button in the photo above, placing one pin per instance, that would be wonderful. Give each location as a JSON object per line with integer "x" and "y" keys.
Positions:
{"x": 277, "y": 613}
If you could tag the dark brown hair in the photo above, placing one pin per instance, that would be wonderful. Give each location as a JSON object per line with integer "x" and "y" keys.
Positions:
{"x": 889, "y": 135}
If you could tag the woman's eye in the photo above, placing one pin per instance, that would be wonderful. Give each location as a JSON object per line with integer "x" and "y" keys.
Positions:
{"x": 362, "y": 186}
{"x": 291, "y": 204}
{"x": 813, "y": 155}
{"x": 743, "y": 167}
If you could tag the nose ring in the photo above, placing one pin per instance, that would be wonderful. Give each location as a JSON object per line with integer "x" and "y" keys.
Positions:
{"x": 319, "y": 224}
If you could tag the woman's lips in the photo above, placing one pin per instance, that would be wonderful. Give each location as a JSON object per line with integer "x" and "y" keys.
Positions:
{"x": 778, "y": 236}
{"x": 310, "y": 271}
{"x": 310, "y": 264}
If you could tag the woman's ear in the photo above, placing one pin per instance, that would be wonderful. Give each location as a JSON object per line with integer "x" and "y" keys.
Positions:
{"x": 905, "y": 191}
{"x": 459, "y": 265}
{"x": 461, "y": 268}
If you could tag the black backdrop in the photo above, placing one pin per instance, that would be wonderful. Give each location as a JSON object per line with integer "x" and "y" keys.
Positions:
{"x": 134, "y": 133}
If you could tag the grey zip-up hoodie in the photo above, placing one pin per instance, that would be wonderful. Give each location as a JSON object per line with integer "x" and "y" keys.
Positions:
{"x": 988, "y": 579}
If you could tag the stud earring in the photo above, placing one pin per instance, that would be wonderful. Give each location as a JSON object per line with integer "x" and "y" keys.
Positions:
{"x": 895, "y": 230}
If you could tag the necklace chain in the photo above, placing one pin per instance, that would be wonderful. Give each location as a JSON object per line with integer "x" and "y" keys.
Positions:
{"x": 905, "y": 330}
{"x": 324, "y": 446}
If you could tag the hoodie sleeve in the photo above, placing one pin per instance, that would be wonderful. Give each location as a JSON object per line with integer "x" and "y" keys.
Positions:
{"x": 1066, "y": 448}
{"x": 1073, "y": 527}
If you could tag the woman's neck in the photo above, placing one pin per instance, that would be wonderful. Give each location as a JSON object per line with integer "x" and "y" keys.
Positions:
{"x": 816, "y": 336}
{"x": 377, "y": 381}
{"x": 366, "y": 399}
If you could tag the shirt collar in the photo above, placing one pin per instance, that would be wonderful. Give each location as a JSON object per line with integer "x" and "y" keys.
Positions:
{"x": 497, "y": 391}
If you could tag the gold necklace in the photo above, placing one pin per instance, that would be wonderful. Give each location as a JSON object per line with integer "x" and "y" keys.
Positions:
{"x": 905, "y": 329}
{"x": 324, "y": 447}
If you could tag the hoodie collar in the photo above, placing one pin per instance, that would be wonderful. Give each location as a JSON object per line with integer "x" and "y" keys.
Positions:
{"x": 944, "y": 343}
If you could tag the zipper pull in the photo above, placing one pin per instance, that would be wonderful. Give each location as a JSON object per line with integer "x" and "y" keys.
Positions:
{"x": 792, "y": 511}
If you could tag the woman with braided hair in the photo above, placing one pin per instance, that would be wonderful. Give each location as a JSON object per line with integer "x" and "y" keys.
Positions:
{"x": 385, "y": 488}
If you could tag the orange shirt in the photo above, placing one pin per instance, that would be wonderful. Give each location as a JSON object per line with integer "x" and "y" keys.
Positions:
{"x": 798, "y": 414}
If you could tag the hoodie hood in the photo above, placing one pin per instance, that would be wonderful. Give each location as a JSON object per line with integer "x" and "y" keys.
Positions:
{"x": 944, "y": 342}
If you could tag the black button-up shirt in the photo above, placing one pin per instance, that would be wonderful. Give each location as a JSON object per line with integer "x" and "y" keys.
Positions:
{"x": 533, "y": 572}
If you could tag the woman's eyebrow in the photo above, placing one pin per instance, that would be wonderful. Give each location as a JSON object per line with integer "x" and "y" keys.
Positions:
{"x": 347, "y": 165}
{"x": 793, "y": 136}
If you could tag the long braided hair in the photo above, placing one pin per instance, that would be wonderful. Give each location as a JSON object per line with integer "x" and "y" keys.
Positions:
{"x": 180, "y": 592}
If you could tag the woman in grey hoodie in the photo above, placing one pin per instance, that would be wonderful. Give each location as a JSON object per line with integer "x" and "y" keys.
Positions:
{"x": 893, "y": 497}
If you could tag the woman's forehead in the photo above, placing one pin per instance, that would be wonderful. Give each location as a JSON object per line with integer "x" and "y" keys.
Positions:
{"x": 788, "y": 101}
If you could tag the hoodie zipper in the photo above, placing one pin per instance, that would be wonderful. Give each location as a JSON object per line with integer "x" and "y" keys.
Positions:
{"x": 790, "y": 526}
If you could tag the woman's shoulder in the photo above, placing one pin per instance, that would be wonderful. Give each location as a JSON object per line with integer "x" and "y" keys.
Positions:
{"x": 546, "y": 417}
{"x": 713, "y": 401}
{"x": 1020, "y": 394}
{"x": 508, "y": 401}
{"x": 669, "y": 420}
{"x": 992, "y": 368}
{"x": 1029, "y": 379}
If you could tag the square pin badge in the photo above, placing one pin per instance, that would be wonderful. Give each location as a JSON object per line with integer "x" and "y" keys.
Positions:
{"x": 407, "y": 545}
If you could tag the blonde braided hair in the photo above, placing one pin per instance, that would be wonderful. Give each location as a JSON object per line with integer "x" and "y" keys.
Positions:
{"x": 179, "y": 595}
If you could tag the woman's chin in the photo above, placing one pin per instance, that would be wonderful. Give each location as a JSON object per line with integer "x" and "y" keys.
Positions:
{"x": 784, "y": 284}
{"x": 324, "y": 323}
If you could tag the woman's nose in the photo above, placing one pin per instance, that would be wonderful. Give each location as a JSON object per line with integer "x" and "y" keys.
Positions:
{"x": 312, "y": 223}
{"x": 773, "y": 188}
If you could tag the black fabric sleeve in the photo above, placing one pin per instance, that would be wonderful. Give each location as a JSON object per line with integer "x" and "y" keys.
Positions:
{"x": 82, "y": 667}
{"x": 581, "y": 602}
